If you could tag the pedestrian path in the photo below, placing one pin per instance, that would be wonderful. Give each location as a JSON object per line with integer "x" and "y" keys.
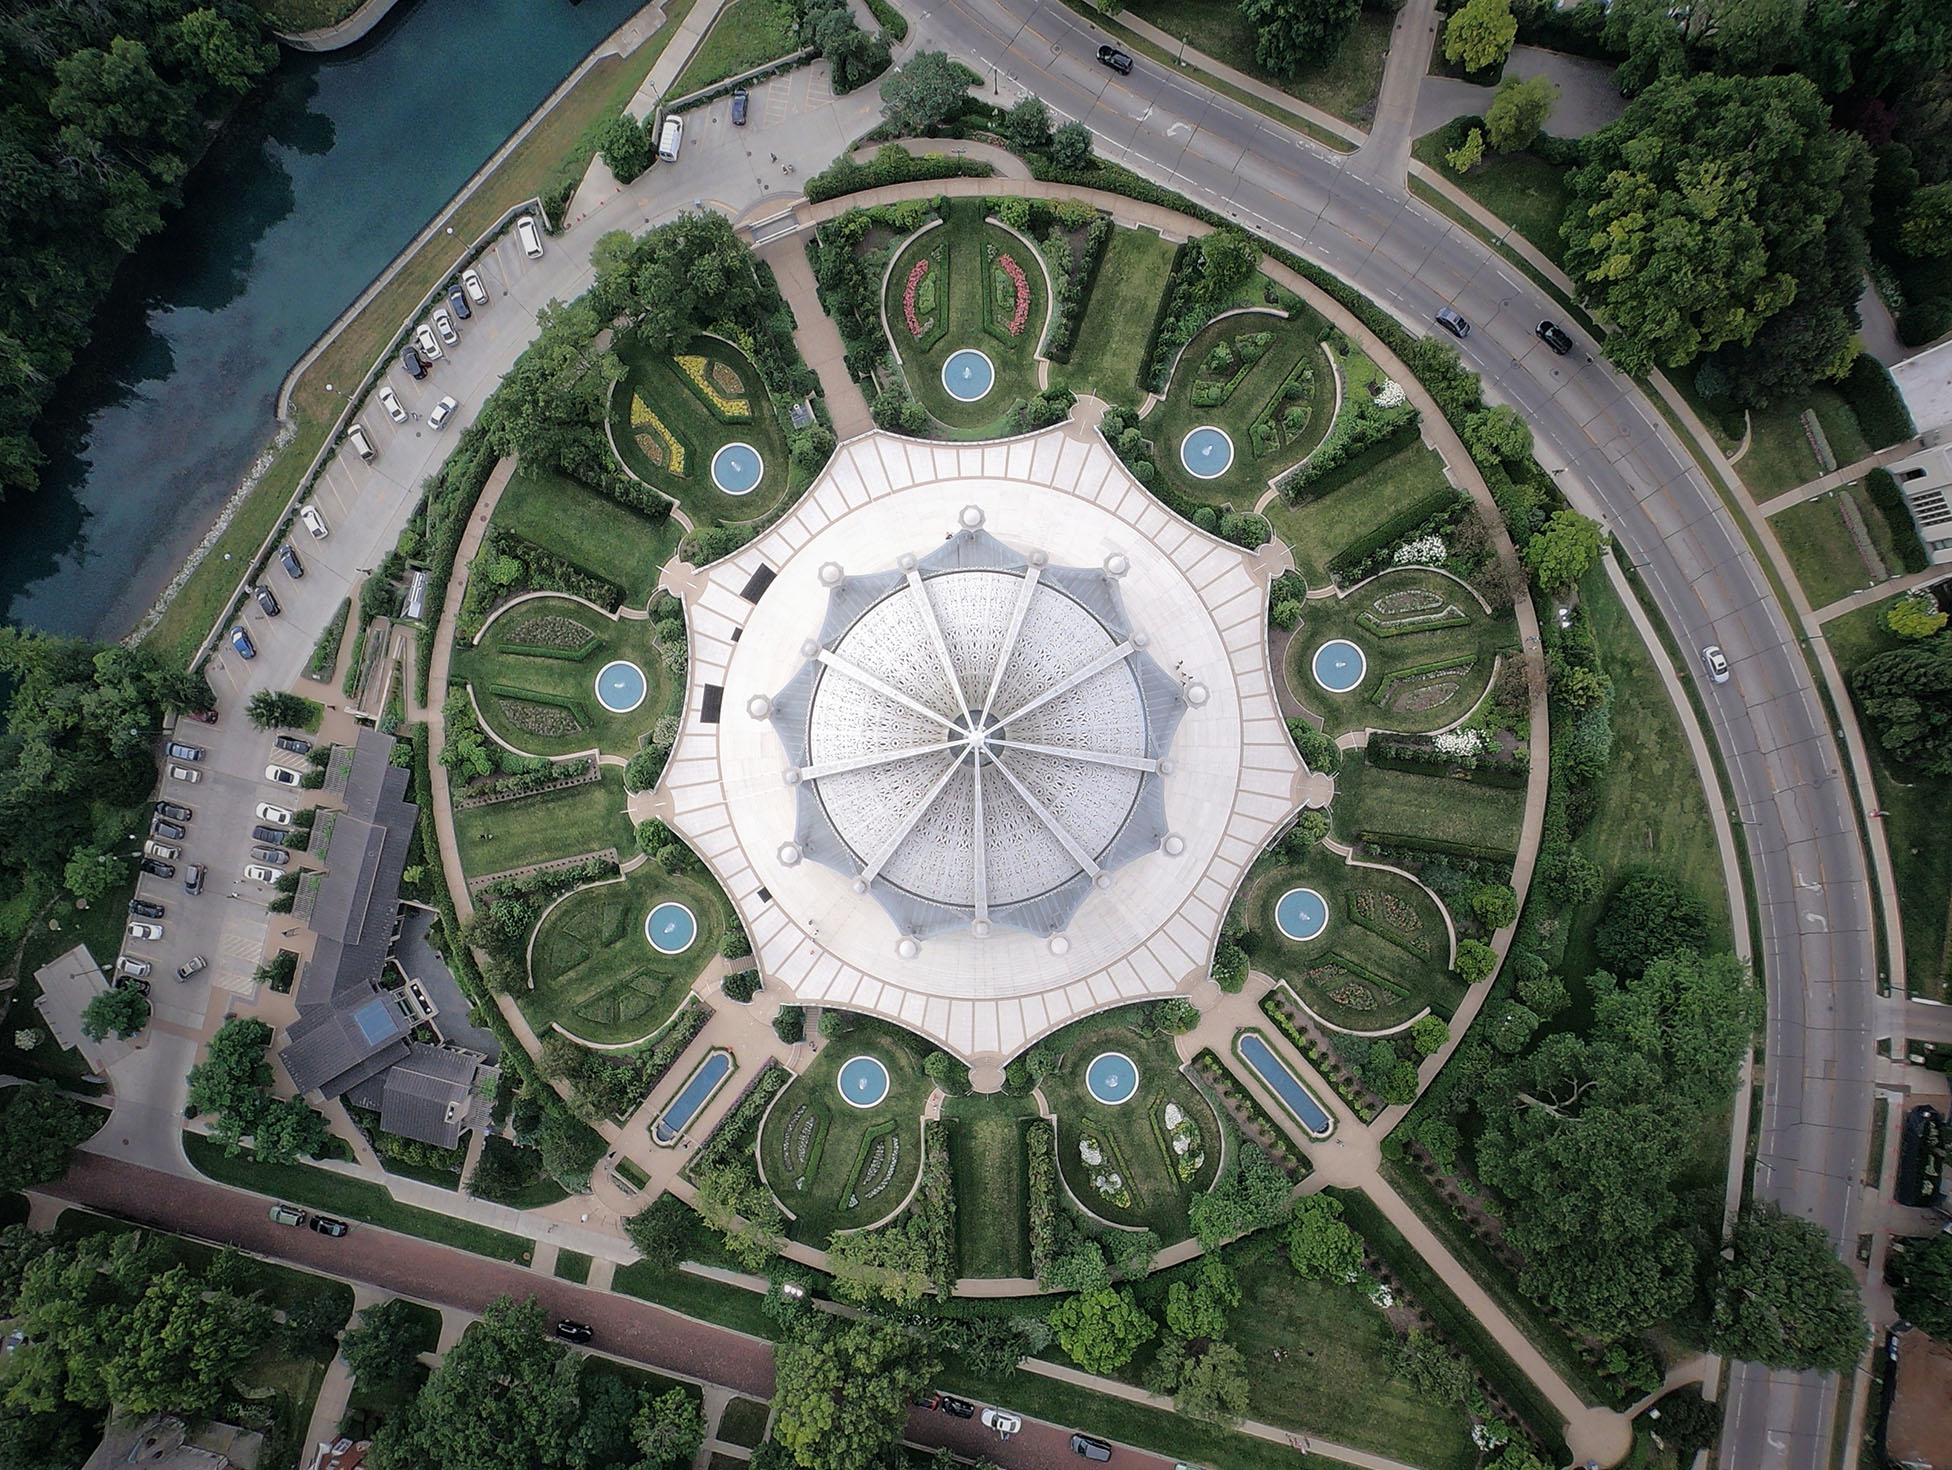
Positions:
{"x": 1871, "y": 596}
{"x": 1835, "y": 478}
{"x": 818, "y": 339}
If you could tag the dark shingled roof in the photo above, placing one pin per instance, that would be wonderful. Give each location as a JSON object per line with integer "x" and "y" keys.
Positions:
{"x": 427, "y": 1095}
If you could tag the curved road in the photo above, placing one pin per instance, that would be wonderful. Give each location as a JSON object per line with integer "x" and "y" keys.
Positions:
{"x": 1618, "y": 459}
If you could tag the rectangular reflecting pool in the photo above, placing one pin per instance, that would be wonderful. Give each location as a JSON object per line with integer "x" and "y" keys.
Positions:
{"x": 1269, "y": 1067}
{"x": 672, "y": 1122}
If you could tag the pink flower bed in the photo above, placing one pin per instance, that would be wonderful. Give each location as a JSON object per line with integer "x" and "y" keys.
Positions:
{"x": 1020, "y": 313}
{"x": 915, "y": 274}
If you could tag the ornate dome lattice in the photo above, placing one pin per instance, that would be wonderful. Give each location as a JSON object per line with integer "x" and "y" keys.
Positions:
{"x": 977, "y": 737}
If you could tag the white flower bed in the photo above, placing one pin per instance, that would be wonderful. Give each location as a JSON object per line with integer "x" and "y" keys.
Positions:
{"x": 1425, "y": 551}
{"x": 1458, "y": 742}
{"x": 1089, "y": 1151}
{"x": 1391, "y": 394}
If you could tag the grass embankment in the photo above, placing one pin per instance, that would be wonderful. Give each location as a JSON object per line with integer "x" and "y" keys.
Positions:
{"x": 531, "y": 829}
{"x": 986, "y": 1148}
{"x": 594, "y": 531}
{"x": 1108, "y": 358}
{"x": 748, "y": 34}
{"x": 1344, "y": 84}
{"x": 1780, "y": 454}
{"x": 1321, "y": 528}
{"x": 1817, "y": 541}
{"x": 1372, "y": 800}
{"x": 1522, "y": 189}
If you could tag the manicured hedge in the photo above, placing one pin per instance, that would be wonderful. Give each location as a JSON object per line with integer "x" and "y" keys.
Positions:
{"x": 1882, "y": 486}
{"x": 1874, "y": 398}
{"x": 892, "y": 165}
{"x": 1419, "y": 518}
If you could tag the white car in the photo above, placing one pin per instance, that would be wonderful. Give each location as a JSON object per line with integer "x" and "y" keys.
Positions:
{"x": 390, "y": 401}
{"x": 269, "y": 813}
{"x": 145, "y": 931}
{"x": 471, "y": 283}
{"x": 444, "y": 324}
{"x": 314, "y": 522}
{"x": 283, "y": 775}
{"x": 259, "y": 874}
{"x": 423, "y": 338}
{"x": 1717, "y": 663}
{"x": 186, "y": 773}
{"x": 441, "y": 411}
{"x": 1002, "y": 1421}
{"x": 530, "y": 236}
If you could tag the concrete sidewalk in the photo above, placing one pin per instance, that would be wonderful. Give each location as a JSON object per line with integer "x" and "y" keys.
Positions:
{"x": 818, "y": 339}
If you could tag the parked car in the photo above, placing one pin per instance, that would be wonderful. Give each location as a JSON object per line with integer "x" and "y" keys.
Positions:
{"x": 294, "y": 568}
{"x": 266, "y": 601}
{"x": 471, "y": 283}
{"x": 131, "y": 982}
{"x": 190, "y": 966}
{"x": 1717, "y": 663}
{"x": 1091, "y": 1449}
{"x": 423, "y": 339}
{"x": 128, "y": 964}
{"x": 326, "y": 1225}
{"x": 410, "y": 360}
{"x": 145, "y": 931}
{"x": 145, "y": 908}
{"x": 269, "y": 813}
{"x": 361, "y": 445}
{"x": 176, "y": 750}
{"x": 202, "y": 716}
{"x": 282, "y": 775}
{"x": 293, "y": 744}
{"x": 268, "y": 834}
{"x": 257, "y": 873}
{"x": 444, "y": 325}
{"x": 457, "y": 302}
{"x": 390, "y": 401}
{"x": 570, "y": 1331}
{"x": 157, "y": 868}
{"x": 174, "y": 812}
{"x": 441, "y": 411}
{"x": 193, "y": 879}
{"x": 738, "y": 107}
{"x": 276, "y": 856}
{"x": 162, "y": 850}
{"x": 1116, "y": 59}
{"x": 1451, "y": 322}
{"x": 1002, "y": 1421}
{"x": 314, "y": 522}
{"x": 287, "y": 1215}
{"x": 160, "y": 828}
{"x": 241, "y": 641}
{"x": 956, "y": 1408}
{"x": 531, "y": 237}
{"x": 186, "y": 773}
{"x": 1554, "y": 336}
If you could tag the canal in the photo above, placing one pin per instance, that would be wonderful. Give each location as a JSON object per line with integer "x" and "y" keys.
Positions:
{"x": 317, "y": 183}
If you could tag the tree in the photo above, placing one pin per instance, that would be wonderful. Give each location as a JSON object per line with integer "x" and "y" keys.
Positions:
{"x": 1293, "y": 34}
{"x": 1468, "y": 154}
{"x": 890, "y": 1264}
{"x": 385, "y": 1343}
{"x": 841, "y": 1392}
{"x": 1925, "y": 1298}
{"x": 1475, "y": 960}
{"x": 1497, "y": 434}
{"x": 926, "y": 92}
{"x": 1915, "y": 615}
{"x": 1100, "y": 1330}
{"x": 1430, "y": 1035}
{"x": 1199, "y": 1308}
{"x": 92, "y": 874}
{"x": 669, "y": 1429}
{"x": 1255, "y": 1196}
{"x": 1906, "y": 695}
{"x": 1480, "y": 34}
{"x": 39, "y": 1131}
{"x": 1320, "y": 1246}
{"x": 1213, "y": 1385}
{"x": 1926, "y": 232}
{"x": 731, "y": 1199}
{"x": 1785, "y": 1300}
{"x": 627, "y": 146}
{"x": 232, "y": 1081}
{"x": 269, "y": 709}
{"x": 114, "y": 1011}
{"x": 1028, "y": 125}
{"x": 1432, "y": 1369}
{"x": 1518, "y": 112}
{"x": 288, "y": 1129}
{"x": 1071, "y": 145}
{"x": 1565, "y": 550}
{"x": 1495, "y": 905}
{"x": 1649, "y": 915}
{"x": 1228, "y": 260}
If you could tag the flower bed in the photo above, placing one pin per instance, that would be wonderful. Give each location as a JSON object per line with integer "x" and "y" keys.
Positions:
{"x": 1181, "y": 1139}
{"x": 659, "y": 444}
{"x": 697, "y": 371}
{"x": 1108, "y": 1170}
{"x": 1008, "y": 286}
{"x": 912, "y": 306}
{"x": 548, "y": 631}
{"x": 532, "y": 718}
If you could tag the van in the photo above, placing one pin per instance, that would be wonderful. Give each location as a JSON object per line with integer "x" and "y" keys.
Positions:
{"x": 530, "y": 236}
{"x": 362, "y": 446}
{"x": 161, "y": 851}
{"x": 670, "y": 139}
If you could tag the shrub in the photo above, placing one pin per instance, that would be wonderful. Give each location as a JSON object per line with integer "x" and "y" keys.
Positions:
{"x": 790, "y": 1025}
{"x": 1229, "y": 967}
{"x": 741, "y": 985}
{"x": 1475, "y": 960}
{"x": 1882, "y": 486}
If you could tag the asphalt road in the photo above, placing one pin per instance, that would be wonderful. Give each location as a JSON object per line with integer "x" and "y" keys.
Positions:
{"x": 1617, "y": 459}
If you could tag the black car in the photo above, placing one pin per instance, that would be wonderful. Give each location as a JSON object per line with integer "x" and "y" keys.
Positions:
{"x": 1451, "y": 322}
{"x": 160, "y": 828}
{"x": 738, "y": 107}
{"x": 326, "y": 1225}
{"x": 193, "y": 880}
{"x": 294, "y": 568}
{"x": 570, "y": 1331}
{"x": 457, "y": 302}
{"x": 410, "y": 360}
{"x": 132, "y": 982}
{"x": 1554, "y": 336}
{"x": 276, "y": 856}
{"x": 262, "y": 833}
{"x": 142, "y": 908}
{"x": 157, "y": 868}
{"x": 267, "y": 602}
{"x": 955, "y": 1407}
{"x": 174, "y": 812}
{"x": 1116, "y": 59}
{"x": 1091, "y": 1449}
{"x": 293, "y": 744}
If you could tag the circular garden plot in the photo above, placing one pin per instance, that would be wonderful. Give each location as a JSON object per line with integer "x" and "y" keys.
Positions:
{"x": 621, "y": 686}
{"x": 1207, "y": 453}
{"x": 699, "y": 425}
{"x": 671, "y": 928}
{"x": 968, "y": 375}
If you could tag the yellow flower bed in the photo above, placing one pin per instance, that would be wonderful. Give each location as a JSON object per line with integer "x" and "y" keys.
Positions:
{"x": 660, "y": 445}
{"x": 731, "y": 408}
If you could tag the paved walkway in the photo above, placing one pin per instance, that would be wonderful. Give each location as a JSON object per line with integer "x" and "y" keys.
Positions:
{"x": 1825, "y": 483}
{"x": 818, "y": 339}
{"x": 1386, "y": 155}
{"x": 1871, "y": 596}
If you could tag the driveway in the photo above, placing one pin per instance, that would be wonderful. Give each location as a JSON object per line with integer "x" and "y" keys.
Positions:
{"x": 1588, "y": 100}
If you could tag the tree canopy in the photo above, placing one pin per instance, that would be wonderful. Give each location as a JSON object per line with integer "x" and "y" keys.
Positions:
{"x": 1480, "y": 34}
{"x": 1518, "y": 112}
{"x": 232, "y": 1084}
{"x": 925, "y": 93}
{"x": 1906, "y": 696}
{"x": 1785, "y": 1300}
{"x": 1925, "y": 1298}
{"x": 841, "y": 1392}
{"x": 1565, "y": 550}
{"x": 1102, "y": 1329}
{"x": 114, "y": 1012}
{"x": 1292, "y": 34}
{"x": 39, "y": 1132}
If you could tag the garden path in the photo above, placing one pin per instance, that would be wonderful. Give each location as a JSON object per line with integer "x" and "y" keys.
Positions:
{"x": 1813, "y": 488}
{"x": 1386, "y": 154}
{"x": 818, "y": 339}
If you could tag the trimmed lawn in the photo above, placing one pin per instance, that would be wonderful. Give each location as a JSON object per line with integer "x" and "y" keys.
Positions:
{"x": 1914, "y": 822}
{"x": 1818, "y": 544}
{"x": 1256, "y": 399}
{"x": 545, "y": 701}
{"x": 1344, "y": 84}
{"x": 986, "y": 1148}
{"x": 1398, "y": 808}
{"x": 749, "y": 33}
{"x": 818, "y": 1152}
{"x": 973, "y": 309}
{"x": 1130, "y": 1137}
{"x": 1320, "y": 529}
{"x": 1522, "y": 189}
{"x": 598, "y": 976}
{"x": 536, "y": 829}
{"x": 1108, "y": 357}
{"x": 573, "y": 1266}
{"x": 696, "y": 1296}
{"x": 743, "y": 1422}
{"x": 1428, "y": 647}
{"x": 1780, "y": 457}
{"x": 337, "y": 1194}
{"x": 667, "y": 429}
{"x": 1652, "y": 808}
{"x": 1382, "y": 927}
{"x": 592, "y": 530}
